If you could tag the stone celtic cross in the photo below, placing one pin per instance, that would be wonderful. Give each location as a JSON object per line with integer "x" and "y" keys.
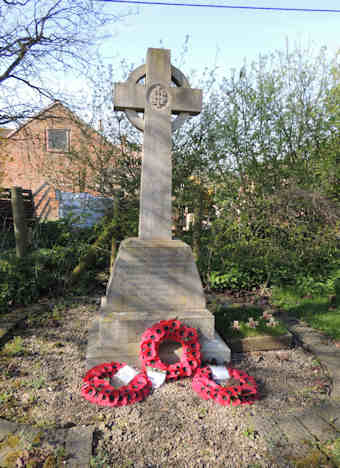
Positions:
{"x": 166, "y": 91}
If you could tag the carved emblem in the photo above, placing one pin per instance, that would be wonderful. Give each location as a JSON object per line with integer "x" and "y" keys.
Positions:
{"x": 158, "y": 97}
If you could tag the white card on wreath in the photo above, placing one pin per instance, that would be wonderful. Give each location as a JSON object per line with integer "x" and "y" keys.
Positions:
{"x": 157, "y": 376}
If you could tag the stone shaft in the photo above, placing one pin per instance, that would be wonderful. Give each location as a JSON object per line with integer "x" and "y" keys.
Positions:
{"x": 155, "y": 201}
{"x": 158, "y": 100}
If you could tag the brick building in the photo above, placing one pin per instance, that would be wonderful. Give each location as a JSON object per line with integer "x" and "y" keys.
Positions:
{"x": 42, "y": 154}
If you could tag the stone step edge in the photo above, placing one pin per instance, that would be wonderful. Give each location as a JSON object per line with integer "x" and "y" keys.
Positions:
{"x": 76, "y": 441}
{"x": 317, "y": 343}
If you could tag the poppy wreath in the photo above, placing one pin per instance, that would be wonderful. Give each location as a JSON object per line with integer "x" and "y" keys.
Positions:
{"x": 97, "y": 388}
{"x": 172, "y": 330}
{"x": 243, "y": 394}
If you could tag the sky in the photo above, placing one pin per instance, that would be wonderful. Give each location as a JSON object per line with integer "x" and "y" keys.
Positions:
{"x": 216, "y": 37}
{"x": 229, "y": 35}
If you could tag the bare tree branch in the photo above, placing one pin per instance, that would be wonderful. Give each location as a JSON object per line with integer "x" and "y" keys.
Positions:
{"x": 40, "y": 37}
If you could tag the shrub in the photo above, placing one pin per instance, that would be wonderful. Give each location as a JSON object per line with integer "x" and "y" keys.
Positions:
{"x": 264, "y": 245}
{"x": 45, "y": 271}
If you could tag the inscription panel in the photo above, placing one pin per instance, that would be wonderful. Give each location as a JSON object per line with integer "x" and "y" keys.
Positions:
{"x": 155, "y": 279}
{"x": 155, "y": 285}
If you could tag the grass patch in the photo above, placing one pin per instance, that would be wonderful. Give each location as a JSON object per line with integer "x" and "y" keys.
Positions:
{"x": 14, "y": 347}
{"x": 333, "y": 451}
{"x": 319, "y": 311}
{"x": 226, "y": 316}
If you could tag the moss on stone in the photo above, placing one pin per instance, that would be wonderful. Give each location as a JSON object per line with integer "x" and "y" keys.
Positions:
{"x": 50, "y": 462}
{"x": 314, "y": 459}
{"x": 11, "y": 459}
{"x": 11, "y": 441}
{"x": 37, "y": 438}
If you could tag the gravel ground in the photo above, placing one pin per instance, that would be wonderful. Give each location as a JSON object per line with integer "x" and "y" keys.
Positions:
{"x": 41, "y": 378}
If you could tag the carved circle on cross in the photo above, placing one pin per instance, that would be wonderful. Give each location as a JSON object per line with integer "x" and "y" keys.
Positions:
{"x": 157, "y": 97}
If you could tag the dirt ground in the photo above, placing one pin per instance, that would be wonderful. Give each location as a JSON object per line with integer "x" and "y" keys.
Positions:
{"x": 41, "y": 376}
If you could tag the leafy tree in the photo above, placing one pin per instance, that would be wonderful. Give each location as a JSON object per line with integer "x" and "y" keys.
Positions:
{"x": 261, "y": 143}
{"x": 192, "y": 155}
{"x": 257, "y": 169}
{"x": 327, "y": 167}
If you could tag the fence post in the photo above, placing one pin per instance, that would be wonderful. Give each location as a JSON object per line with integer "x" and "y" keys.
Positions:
{"x": 19, "y": 221}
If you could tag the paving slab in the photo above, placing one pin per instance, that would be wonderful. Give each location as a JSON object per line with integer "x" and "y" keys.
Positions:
{"x": 330, "y": 414}
{"x": 78, "y": 446}
{"x": 269, "y": 429}
{"x": 30, "y": 434}
{"x": 77, "y": 441}
{"x": 322, "y": 347}
{"x": 336, "y": 388}
{"x": 317, "y": 426}
{"x": 294, "y": 431}
{"x": 6, "y": 427}
{"x": 15, "y": 442}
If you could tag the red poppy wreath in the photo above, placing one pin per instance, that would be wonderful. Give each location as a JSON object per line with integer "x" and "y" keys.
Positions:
{"x": 243, "y": 394}
{"x": 172, "y": 330}
{"x": 98, "y": 389}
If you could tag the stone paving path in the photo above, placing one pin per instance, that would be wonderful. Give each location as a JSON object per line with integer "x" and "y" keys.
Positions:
{"x": 77, "y": 442}
{"x": 315, "y": 425}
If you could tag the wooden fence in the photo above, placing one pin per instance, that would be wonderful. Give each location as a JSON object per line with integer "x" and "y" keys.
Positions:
{"x": 6, "y": 214}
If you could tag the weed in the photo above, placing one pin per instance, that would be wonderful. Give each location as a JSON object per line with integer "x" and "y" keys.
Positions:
{"x": 5, "y": 397}
{"x": 45, "y": 423}
{"x": 315, "y": 362}
{"x": 333, "y": 451}
{"x": 14, "y": 347}
{"x": 56, "y": 314}
{"x": 32, "y": 399}
{"x": 38, "y": 383}
{"x": 60, "y": 453}
{"x": 202, "y": 412}
{"x": 12, "y": 441}
{"x": 100, "y": 461}
{"x": 250, "y": 433}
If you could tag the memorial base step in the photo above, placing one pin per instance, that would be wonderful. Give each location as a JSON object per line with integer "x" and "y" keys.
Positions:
{"x": 212, "y": 349}
{"x": 151, "y": 280}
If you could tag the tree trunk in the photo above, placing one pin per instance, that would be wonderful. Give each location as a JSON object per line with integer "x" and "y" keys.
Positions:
{"x": 89, "y": 258}
{"x": 109, "y": 231}
{"x": 19, "y": 222}
{"x": 197, "y": 227}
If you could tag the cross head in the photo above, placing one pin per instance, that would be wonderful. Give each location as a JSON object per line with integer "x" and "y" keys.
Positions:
{"x": 165, "y": 92}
